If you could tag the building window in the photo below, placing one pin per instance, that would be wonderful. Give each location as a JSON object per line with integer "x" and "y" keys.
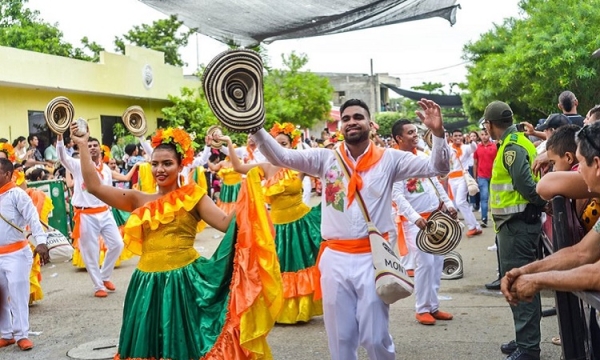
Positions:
{"x": 339, "y": 97}
{"x": 107, "y": 124}
{"x": 161, "y": 123}
{"x": 39, "y": 128}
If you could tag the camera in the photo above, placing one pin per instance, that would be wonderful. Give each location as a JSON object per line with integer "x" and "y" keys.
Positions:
{"x": 521, "y": 127}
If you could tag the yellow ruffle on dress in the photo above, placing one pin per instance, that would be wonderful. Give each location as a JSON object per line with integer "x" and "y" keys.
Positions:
{"x": 180, "y": 305}
{"x": 230, "y": 187}
{"x": 297, "y": 239}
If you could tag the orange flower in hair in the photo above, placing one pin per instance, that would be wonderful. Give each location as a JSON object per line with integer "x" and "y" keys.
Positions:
{"x": 180, "y": 138}
{"x": 288, "y": 129}
{"x": 9, "y": 151}
{"x": 106, "y": 156}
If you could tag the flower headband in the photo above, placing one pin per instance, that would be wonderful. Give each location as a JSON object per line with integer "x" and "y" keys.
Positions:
{"x": 336, "y": 136}
{"x": 9, "y": 151}
{"x": 288, "y": 129}
{"x": 178, "y": 137}
{"x": 106, "y": 151}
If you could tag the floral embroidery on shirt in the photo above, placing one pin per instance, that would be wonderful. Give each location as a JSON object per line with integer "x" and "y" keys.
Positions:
{"x": 334, "y": 189}
{"x": 414, "y": 185}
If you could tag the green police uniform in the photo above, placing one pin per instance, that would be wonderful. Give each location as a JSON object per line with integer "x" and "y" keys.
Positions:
{"x": 515, "y": 207}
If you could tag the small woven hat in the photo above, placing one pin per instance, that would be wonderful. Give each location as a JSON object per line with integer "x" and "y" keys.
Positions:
{"x": 453, "y": 266}
{"x": 134, "y": 120}
{"x": 215, "y": 144}
{"x": 233, "y": 85}
{"x": 428, "y": 138}
{"x": 441, "y": 235}
{"x": 59, "y": 114}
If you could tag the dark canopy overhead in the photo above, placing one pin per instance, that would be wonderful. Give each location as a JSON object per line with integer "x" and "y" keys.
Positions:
{"x": 249, "y": 22}
{"x": 441, "y": 100}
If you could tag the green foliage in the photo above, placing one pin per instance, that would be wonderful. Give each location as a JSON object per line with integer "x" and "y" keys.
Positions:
{"x": 22, "y": 28}
{"x": 528, "y": 62}
{"x": 119, "y": 131}
{"x": 385, "y": 120}
{"x": 299, "y": 97}
{"x": 162, "y": 36}
{"x": 190, "y": 110}
{"x": 430, "y": 87}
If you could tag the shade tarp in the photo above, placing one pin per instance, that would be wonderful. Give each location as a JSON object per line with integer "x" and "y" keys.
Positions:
{"x": 249, "y": 22}
{"x": 441, "y": 100}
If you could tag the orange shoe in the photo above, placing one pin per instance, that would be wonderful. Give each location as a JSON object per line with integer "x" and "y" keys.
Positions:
{"x": 25, "y": 344}
{"x": 109, "y": 285}
{"x": 442, "y": 315}
{"x": 474, "y": 232}
{"x": 425, "y": 318}
{"x": 101, "y": 294}
{"x": 6, "y": 342}
{"x": 410, "y": 273}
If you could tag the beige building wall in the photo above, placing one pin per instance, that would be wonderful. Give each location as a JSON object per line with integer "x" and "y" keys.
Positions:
{"x": 29, "y": 80}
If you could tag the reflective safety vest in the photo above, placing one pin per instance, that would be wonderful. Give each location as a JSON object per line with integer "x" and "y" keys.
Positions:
{"x": 504, "y": 199}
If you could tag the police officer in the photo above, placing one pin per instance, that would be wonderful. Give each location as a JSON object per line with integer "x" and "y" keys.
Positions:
{"x": 516, "y": 209}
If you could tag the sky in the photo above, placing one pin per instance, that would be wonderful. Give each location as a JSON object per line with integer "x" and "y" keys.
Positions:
{"x": 420, "y": 51}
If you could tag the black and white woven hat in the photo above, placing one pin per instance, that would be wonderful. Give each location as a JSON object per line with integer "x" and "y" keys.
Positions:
{"x": 441, "y": 235}
{"x": 233, "y": 85}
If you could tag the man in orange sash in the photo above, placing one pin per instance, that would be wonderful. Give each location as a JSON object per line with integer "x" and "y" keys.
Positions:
{"x": 17, "y": 211}
{"x": 354, "y": 315}
{"x": 457, "y": 186}
{"x": 416, "y": 198}
{"x": 93, "y": 218}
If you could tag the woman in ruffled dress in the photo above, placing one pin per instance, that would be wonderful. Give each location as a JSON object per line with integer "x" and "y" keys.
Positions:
{"x": 180, "y": 305}
{"x": 231, "y": 181}
{"x": 297, "y": 229}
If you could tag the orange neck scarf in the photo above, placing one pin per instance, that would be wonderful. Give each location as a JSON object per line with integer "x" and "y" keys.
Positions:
{"x": 250, "y": 153}
{"x": 414, "y": 151}
{"x": 99, "y": 170}
{"x": 458, "y": 149}
{"x": 367, "y": 161}
{"x": 9, "y": 185}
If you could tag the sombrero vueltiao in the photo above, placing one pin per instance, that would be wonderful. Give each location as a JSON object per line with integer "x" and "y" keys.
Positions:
{"x": 441, "y": 235}
{"x": 233, "y": 85}
{"x": 215, "y": 144}
{"x": 428, "y": 138}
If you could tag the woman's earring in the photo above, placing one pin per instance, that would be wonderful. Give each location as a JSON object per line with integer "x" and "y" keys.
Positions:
{"x": 179, "y": 180}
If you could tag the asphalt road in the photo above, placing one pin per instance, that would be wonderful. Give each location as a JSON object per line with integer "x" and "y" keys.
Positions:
{"x": 70, "y": 316}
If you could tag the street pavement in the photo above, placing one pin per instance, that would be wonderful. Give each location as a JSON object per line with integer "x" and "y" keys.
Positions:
{"x": 69, "y": 315}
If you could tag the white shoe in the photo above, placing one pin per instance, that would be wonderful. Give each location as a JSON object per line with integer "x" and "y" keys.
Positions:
{"x": 493, "y": 248}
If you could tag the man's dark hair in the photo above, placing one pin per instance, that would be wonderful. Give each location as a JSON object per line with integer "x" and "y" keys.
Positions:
{"x": 562, "y": 140}
{"x": 588, "y": 141}
{"x": 30, "y": 137}
{"x": 6, "y": 165}
{"x": 92, "y": 139}
{"x": 567, "y": 100}
{"x": 398, "y": 127}
{"x": 594, "y": 112}
{"x": 3, "y": 140}
{"x": 457, "y": 131}
{"x": 354, "y": 102}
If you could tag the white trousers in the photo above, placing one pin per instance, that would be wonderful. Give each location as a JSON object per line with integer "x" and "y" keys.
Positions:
{"x": 353, "y": 313}
{"x": 91, "y": 226}
{"x": 428, "y": 271}
{"x": 14, "y": 293}
{"x": 459, "y": 191}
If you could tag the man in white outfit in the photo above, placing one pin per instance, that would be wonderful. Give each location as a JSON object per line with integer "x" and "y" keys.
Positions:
{"x": 16, "y": 257}
{"x": 457, "y": 186}
{"x": 354, "y": 315}
{"x": 416, "y": 199}
{"x": 93, "y": 218}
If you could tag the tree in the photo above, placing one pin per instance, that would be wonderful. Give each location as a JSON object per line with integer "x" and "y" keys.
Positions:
{"x": 162, "y": 36}
{"x": 430, "y": 87}
{"x": 22, "y": 28}
{"x": 527, "y": 62}
{"x": 190, "y": 110}
{"x": 299, "y": 97}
